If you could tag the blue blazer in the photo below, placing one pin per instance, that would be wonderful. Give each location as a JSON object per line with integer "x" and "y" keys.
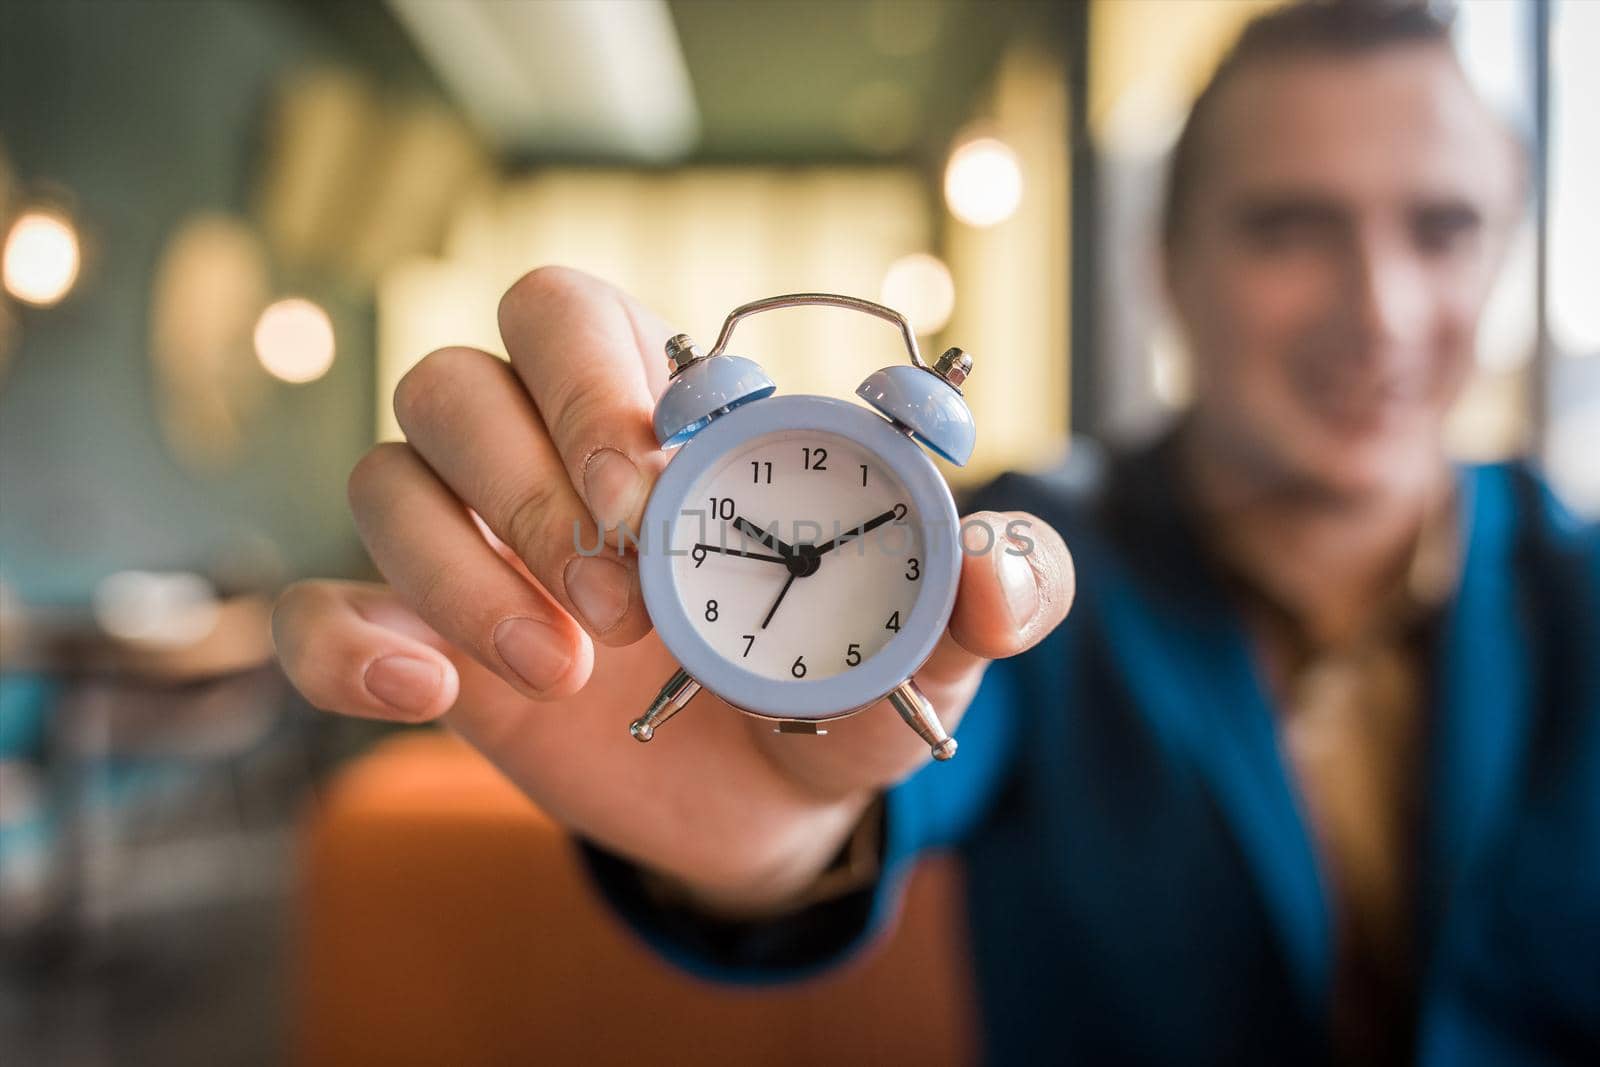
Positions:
{"x": 1141, "y": 883}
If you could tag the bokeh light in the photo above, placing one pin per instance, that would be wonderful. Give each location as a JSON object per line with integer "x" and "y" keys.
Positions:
{"x": 983, "y": 182}
{"x": 41, "y": 258}
{"x": 1170, "y": 369}
{"x": 294, "y": 340}
{"x": 919, "y": 286}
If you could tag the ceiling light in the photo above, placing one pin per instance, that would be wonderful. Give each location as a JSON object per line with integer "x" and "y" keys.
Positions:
{"x": 294, "y": 340}
{"x": 41, "y": 258}
{"x": 983, "y": 182}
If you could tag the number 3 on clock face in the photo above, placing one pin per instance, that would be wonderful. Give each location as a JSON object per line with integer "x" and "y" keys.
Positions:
{"x": 800, "y": 557}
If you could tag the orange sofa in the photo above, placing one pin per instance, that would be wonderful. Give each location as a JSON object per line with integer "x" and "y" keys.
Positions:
{"x": 443, "y": 920}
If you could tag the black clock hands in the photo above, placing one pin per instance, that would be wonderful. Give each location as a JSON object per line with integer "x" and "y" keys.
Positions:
{"x": 699, "y": 553}
{"x": 745, "y": 525}
{"x": 802, "y": 560}
{"x": 787, "y": 582}
{"x": 789, "y": 551}
{"x": 866, "y": 527}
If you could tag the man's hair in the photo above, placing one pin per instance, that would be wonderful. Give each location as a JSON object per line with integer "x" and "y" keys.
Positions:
{"x": 1300, "y": 29}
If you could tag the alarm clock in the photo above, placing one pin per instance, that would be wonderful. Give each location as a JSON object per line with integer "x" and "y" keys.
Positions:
{"x": 800, "y": 554}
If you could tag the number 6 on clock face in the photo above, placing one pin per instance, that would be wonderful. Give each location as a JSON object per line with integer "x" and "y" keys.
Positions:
{"x": 799, "y": 557}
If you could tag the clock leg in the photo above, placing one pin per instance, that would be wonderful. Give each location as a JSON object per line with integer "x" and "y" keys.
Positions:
{"x": 673, "y": 696}
{"x": 918, "y": 713}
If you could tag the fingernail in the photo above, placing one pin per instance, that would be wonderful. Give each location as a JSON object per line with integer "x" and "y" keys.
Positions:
{"x": 599, "y": 590}
{"x": 1017, "y": 582}
{"x": 611, "y": 484}
{"x": 534, "y": 650}
{"x": 405, "y": 684}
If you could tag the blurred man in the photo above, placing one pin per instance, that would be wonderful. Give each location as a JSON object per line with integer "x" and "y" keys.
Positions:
{"x": 1313, "y": 771}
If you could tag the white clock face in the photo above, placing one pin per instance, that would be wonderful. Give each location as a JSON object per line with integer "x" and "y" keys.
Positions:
{"x": 774, "y": 572}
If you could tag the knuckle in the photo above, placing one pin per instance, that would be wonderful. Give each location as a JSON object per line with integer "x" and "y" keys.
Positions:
{"x": 299, "y": 633}
{"x": 438, "y": 598}
{"x": 429, "y": 388}
{"x": 533, "y": 524}
{"x": 293, "y": 611}
{"x": 542, "y": 286}
{"x": 578, "y": 415}
{"x": 374, "y": 470}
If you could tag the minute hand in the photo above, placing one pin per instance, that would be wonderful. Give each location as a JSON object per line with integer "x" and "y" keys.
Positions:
{"x": 866, "y": 527}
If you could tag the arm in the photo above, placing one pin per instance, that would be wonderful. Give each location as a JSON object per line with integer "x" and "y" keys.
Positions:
{"x": 493, "y": 622}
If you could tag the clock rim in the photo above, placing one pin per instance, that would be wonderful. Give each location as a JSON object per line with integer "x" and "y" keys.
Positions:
{"x": 900, "y": 658}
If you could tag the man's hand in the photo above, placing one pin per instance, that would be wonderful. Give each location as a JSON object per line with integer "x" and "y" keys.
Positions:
{"x": 540, "y": 656}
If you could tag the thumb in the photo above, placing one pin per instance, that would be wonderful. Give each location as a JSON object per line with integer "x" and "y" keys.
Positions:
{"x": 1017, "y": 585}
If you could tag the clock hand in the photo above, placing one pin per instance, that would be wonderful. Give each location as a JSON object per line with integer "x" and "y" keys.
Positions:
{"x": 866, "y": 527}
{"x": 781, "y": 593}
{"x": 702, "y": 548}
{"x": 741, "y": 523}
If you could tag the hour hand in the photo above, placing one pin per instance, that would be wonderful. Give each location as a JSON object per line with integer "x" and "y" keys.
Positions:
{"x": 699, "y": 553}
{"x": 743, "y": 524}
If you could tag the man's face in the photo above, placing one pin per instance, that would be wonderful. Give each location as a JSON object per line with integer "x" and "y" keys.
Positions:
{"x": 1346, "y": 223}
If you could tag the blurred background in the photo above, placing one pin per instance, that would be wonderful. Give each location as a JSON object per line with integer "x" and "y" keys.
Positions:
{"x": 228, "y": 229}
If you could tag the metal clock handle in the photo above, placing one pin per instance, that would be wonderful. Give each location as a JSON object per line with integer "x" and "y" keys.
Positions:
{"x": 849, "y": 303}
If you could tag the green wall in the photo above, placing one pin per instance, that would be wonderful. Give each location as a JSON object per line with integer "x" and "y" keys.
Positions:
{"x": 147, "y": 113}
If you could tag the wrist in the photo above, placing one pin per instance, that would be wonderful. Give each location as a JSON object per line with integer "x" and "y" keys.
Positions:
{"x": 847, "y": 867}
